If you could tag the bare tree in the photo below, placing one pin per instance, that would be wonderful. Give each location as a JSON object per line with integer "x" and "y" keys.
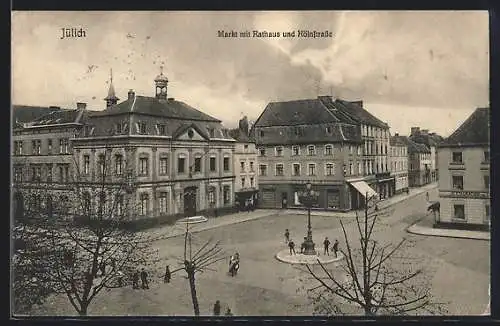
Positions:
{"x": 200, "y": 261}
{"x": 81, "y": 246}
{"x": 379, "y": 278}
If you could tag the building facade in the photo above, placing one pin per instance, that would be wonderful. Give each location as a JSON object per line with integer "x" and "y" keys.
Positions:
{"x": 431, "y": 141}
{"x": 464, "y": 170}
{"x": 245, "y": 167}
{"x": 42, "y": 160}
{"x": 335, "y": 145}
{"x": 399, "y": 163}
{"x": 177, "y": 160}
{"x": 419, "y": 161}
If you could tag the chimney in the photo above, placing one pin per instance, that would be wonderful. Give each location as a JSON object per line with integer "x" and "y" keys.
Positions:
{"x": 396, "y": 135}
{"x": 131, "y": 94}
{"x": 359, "y": 103}
{"x": 171, "y": 99}
{"x": 81, "y": 105}
{"x": 414, "y": 131}
{"x": 425, "y": 131}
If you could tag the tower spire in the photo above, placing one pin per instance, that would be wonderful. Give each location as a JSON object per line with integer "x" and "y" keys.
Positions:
{"x": 111, "y": 99}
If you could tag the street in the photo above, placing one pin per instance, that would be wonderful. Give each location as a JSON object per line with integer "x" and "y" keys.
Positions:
{"x": 265, "y": 286}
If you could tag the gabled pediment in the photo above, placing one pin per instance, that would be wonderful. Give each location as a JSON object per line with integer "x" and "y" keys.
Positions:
{"x": 189, "y": 132}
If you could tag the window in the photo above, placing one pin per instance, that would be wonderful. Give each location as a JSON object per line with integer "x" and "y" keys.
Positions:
{"x": 49, "y": 146}
{"x": 211, "y": 132}
{"x": 212, "y": 164}
{"x": 328, "y": 150}
{"x": 226, "y": 193}
{"x": 18, "y": 174}
{"x": 486, "y": 179}
{"x": 118, "y": 128}
{"x": 226, "y": 163}
{"x": 86, "y": 203}
{"x": 245, "y": 146}
{"x": 456, "y": 158}
{"x": 262, "y": 152}
{"x": 458, "y": 182}
{"x": 102, "y": 164}
{"x": 20, "y": 147}
{"x": 118, "y": 164}
{"x": 279, "y": 169}
{"x": 242, "y": 182}
{"x": 119, "y": 205}
{"x": 142, "y": 127}
{"x": 163, "y": 202}
{"x": 312, "y": 169}
{"x": 86, "y": 164}
{"x": 295, "y": 150}
{"x": 63, "y": 146}
{"x": 143, "y": 166}
{"x": 296, "y": 169}
{"x": 298, "y": 131}
{"x": 360, "y": 171}
{"x": 358, "y": 149}
{"x": 197, "y": 164}
{"x": 486, "y": 156}
{"x": 351, "y": 151}
{"x": 330, "y": 169}
{"x": 459, "y": 211}
{"x": 279, "y": 151}
{"x": 49, "y": 172}
{"x": 144, "y": 204}
{"x": 262, "y": 133}
{"x": 262, "y": 169}
{"x": 37, "y": 147}
{"x": 242, "y": 166}
{"x": 251, "y": 166}
{"x": 351, "y": 168}
{"x": 181, "y": 165}
{"x": 62, "y": 174}
{"x": 329, "y": 130}
{"x": 162, "y": 131}
{"x": 164, "y": 165}
{"x": 487, "y": 213}
{"x": 252, "y": 182}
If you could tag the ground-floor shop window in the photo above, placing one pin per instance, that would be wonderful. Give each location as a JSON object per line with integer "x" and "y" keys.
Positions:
{"x": 333, "y": 198}
{"x": 227, "y": 198}
{"x": 459, "y": 211}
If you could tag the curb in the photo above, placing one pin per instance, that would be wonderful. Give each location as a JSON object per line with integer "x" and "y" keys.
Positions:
{"x": 409, "y": 230}
{"x": 341, "y": 257}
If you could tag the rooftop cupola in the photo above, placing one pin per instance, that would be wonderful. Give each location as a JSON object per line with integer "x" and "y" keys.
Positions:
{"x": 161, "y": 82}
{"x": 111, "y": 99}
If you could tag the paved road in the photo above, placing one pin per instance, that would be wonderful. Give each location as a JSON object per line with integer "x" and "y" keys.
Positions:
{"x": 266, "y": 286}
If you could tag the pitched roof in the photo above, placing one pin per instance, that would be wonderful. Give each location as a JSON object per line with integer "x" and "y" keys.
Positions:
{"x": 398, "y": 140}
{"x": 152, "y": 106}
{"x": 358, "y": 113}
{"x": 414, "y": 147}
{"x": 474, "y": 131}
{"x": 426, "y": 139}
{"x": 57, "y": 117}
{"x": 26, "y": 113}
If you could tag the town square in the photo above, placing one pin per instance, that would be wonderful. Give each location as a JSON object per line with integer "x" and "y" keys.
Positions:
{"x": 270, "y": 176}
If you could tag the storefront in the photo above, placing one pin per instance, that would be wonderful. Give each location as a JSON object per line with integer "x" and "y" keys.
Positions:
{"x": 360, "y": 189}
{"x": 384, "y": 185}
{"x": 246, "y": 197}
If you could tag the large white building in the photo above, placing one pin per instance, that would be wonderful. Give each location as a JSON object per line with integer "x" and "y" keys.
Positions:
{"x": 464, "y": 173}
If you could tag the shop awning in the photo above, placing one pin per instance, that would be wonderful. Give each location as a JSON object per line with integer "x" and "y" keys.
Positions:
{"x": 364, "y": 188}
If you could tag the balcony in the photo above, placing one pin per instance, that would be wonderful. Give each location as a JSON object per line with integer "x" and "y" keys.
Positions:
{"x": 458, "y": 165}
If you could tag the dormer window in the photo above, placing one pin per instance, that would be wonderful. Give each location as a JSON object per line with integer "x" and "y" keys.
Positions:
{"x": 329, "y": 130}
{"x": 162, "y": 131}
{"x": 141, "y": 126}
{"x": 119, "y": 128}
{"x": 211, "y": 132}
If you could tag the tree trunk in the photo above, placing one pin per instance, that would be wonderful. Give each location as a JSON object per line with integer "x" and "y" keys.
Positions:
{"x": 192, "y": 286}
{"x": 83, "y": 310}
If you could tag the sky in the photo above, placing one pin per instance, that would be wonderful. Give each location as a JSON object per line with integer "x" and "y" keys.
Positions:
{"x": 427, "y": 69}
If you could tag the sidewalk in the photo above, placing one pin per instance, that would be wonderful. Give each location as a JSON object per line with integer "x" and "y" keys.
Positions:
{"x": 170, "y": 231}
{"x": 382, "y": 204}
{"x": 424, "y": 227}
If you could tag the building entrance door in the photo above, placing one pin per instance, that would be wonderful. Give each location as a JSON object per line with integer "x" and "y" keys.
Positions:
{"x": 190, "y": 201}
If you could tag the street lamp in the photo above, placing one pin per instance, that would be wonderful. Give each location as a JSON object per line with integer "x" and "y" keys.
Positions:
{"x": 308, "y": 198}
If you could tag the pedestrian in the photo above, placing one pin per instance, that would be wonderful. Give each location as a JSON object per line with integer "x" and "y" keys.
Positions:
{"x": 144, "y": 279}
{"x": 217, "y": 308}
{"x": 287, "y": 236}
{"x": 135, "y": 280}
{"x": 228, "y": 312}
{"x": 326, "y": 245}
{"x": 168, "y": 275}
{"x": 335, "y": 247}
{"x": 291, "y": 246}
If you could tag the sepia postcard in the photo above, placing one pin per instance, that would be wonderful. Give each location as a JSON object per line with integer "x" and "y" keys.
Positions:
{"x": 250, "y": 163}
